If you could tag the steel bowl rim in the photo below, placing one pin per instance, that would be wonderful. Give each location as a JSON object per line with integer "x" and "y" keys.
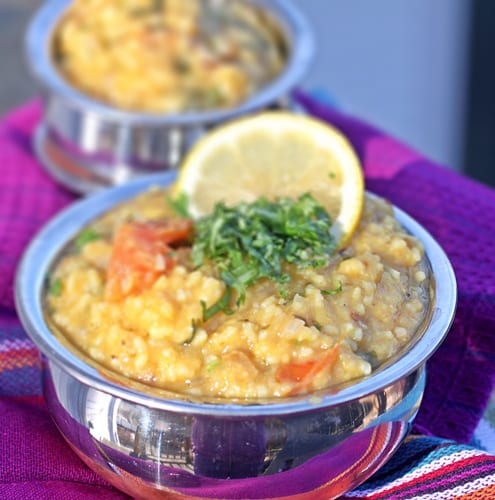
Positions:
{"x": 285, "y": 12}
{"x": 36, "y": 260}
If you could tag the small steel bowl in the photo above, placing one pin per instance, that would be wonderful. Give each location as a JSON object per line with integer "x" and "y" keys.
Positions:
{"x": 159, "y": 445}
{"x": 87, "y": 145}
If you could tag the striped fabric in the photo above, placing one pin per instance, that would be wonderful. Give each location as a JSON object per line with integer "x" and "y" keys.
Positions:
{"x": 37, "y": 463}
{"x": 428, "y": 468}
{"x": 19, "y": 361}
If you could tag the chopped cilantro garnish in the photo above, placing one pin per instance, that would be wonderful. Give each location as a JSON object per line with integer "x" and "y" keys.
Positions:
{"x": 213, "y": 97}
{"x": 86, "y": 236}
{"x": 154, "y": 7}
{"x": 338, "y": 289}
{"x": 56, "y": 287}
{"x": 157, "y": 5}
{"x": 212, "y": 365}
{"x": 251, "y": 241}
{"x": 181, "y": 66}
{"x": 220, "y": 305}
{"x": 194, "y": 329}
{"x": 179, "y": 204}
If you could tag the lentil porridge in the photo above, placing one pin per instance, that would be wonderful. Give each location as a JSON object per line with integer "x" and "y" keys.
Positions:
{"x": 129, "y": 293}
{"x": 168, "y": 56}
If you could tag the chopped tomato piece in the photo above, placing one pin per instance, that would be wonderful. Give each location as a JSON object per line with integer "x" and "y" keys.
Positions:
{"x": 303, "y": 374}
{"x": 141, "y": 254}
{"x": 294, "y": 372}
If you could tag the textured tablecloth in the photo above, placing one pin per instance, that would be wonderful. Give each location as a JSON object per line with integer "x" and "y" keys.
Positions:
{"x": 36, "y": 462}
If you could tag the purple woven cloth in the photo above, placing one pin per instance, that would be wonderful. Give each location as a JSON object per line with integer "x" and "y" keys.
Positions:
{"x": 458, "y": 212}
{"x": 461, "y": 375}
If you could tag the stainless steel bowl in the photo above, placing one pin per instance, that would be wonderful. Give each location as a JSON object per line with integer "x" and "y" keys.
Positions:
{"x": 86, "y": 144}
{"x": 149, "y": 445}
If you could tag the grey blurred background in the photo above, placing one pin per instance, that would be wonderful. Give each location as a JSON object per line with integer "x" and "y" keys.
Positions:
{"x": 403, "y": 65}
{"x": 15, "y": 83}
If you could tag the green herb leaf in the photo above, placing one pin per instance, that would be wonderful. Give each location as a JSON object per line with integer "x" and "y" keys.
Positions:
{"x": 157, "y": 5}
{"x": 253, "y": 240}
{"x": 180, "y": 205}
{"x": 86, "y": 236}
{"x": 194, "y": 330}
{"x": 213, "y": 97}
{"x": 154, "y": 7}
{"x": 181, "y": 66}
{"x": 334, "y": 291}
{"x": 56, "y": 287}
{"x": 220, "y": 305}
{"x": 214, "y": 364}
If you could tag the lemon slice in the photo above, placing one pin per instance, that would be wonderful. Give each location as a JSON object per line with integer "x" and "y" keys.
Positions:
{"x": 275, "y": 154}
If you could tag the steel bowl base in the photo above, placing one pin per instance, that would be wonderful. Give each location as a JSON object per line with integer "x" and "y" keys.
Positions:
{"x": 155, "y": 453}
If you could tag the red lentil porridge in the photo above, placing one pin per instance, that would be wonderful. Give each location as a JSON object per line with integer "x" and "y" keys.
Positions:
{"x": 168, "y": 57}
{"x": 129, "y": 293}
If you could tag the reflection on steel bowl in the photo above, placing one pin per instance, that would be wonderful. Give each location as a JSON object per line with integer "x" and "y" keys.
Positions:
{"x": 168, "y": 57}
{"x": 99, "y": 130}
{"x": 152, "y": 442}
